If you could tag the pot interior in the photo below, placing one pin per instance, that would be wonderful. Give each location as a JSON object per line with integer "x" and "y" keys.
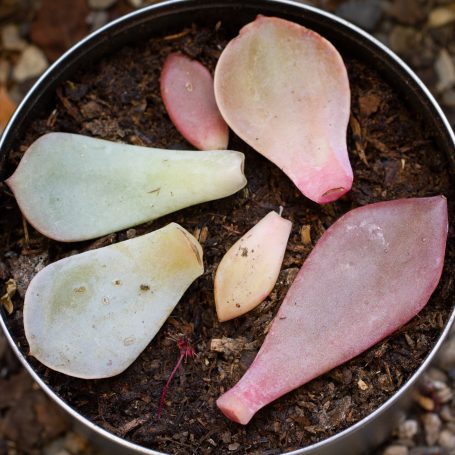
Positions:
{"x": 400, "y": 148}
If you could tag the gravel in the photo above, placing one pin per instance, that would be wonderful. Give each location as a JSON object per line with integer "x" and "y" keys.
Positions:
{"x": 11, "y": 39}
{"x": 364, "y": 13}
{"x": 432, "y": 425}
{"x": 445, "y": 69}
{"x": 31, "y": 63}
{"x": 420, "y": 31}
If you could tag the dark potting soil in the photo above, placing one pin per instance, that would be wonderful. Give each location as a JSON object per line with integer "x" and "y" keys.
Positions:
{"x": 393, "y": 156}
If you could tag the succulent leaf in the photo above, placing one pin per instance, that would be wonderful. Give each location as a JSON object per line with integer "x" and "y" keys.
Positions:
{"x": 369, "y": 274}
{"x": 187, "y": 93}
{"x": 248, "y": 271}
{"x": 90, "y": 315}
{"x": 285, "y": 91}
{"x": 72, "y": 187}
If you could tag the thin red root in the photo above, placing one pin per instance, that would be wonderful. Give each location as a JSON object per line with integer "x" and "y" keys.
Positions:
{"x": 186, "y": 350}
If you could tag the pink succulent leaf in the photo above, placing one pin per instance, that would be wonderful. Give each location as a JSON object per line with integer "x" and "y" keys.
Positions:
{"x": 368, "y": 275}
{"x": 187, "y": 92}
{"x": 284, "y": 90}
{"x": 248, "y": 271}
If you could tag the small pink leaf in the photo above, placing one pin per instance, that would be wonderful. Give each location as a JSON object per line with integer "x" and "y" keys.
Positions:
{"x": 284, "y": 90}
{"x": 187, "y": 92}
{"x": 369, "y": 274}
{"x": 249, "y": 270}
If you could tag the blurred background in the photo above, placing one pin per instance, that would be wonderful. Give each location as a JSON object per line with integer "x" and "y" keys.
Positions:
{"x": 34, "y": 33}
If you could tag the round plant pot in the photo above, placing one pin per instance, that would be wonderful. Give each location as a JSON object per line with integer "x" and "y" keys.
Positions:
{"x": 169, "y": 17}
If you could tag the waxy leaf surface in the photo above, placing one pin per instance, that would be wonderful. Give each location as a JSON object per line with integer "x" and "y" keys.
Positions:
{"x": 187, "y": 92}
{"x": 91, "y": 315}
{"x": 284, "y": 90}
{"x": 248, "y": 271}
{"x": 72, "y": 187}
{"x": 369, "y": 274}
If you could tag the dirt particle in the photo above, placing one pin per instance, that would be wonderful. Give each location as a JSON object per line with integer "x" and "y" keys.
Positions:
{"x": 305, "y": 234}
{"x": 129, "y": 341}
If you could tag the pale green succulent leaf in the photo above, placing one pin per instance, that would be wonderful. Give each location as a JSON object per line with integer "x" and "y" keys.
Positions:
{"x": 90, "y": 315}
{"x": 72, "y": 187}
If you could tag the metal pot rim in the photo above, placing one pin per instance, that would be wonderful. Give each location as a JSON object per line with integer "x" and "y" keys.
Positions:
{"x": 100, "y": 34}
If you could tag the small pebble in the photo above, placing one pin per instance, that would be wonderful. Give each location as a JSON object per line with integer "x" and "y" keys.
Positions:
{"x": 11, "y": 39}
{"x": 364, "y": 13}
{"x": 101, "y": 4}
{"x": 226, "y": 437}
{"x": 396, "y": 450}
{"x": 442, "y": 16}
{"x": 444, "y": 394}
{"x": 424, "y": 402}
{"x": 447, "y": 440}
{"x": 432, "y": 425}
{"x": 435, "y": 374}
{"x": 135, "y": 3}
{"x": 56, "y": 448}
{"x": 401, "y": 39}
{"x": 97, "y": 19}
{"x": 131, "y": 233}
{"x": 31, "y": 63}
{"x": 406, "y": 12}
{"x": 445, "y": 69}
{"x": 234, "y": 446}
{"x": 446, "y": 414}
{"x": 438, "y": 390}
{"x": 408, "y": 429}
{"x": 75, "y": 443}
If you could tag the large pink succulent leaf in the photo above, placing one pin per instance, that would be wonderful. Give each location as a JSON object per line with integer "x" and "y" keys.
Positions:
{"x": 187, "y": 92}
{"x": 284, "y": 90}
{"x": 369, "y": 274}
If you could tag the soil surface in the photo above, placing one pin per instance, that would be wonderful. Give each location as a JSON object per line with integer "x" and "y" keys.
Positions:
{"x": 393, "y": 156}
